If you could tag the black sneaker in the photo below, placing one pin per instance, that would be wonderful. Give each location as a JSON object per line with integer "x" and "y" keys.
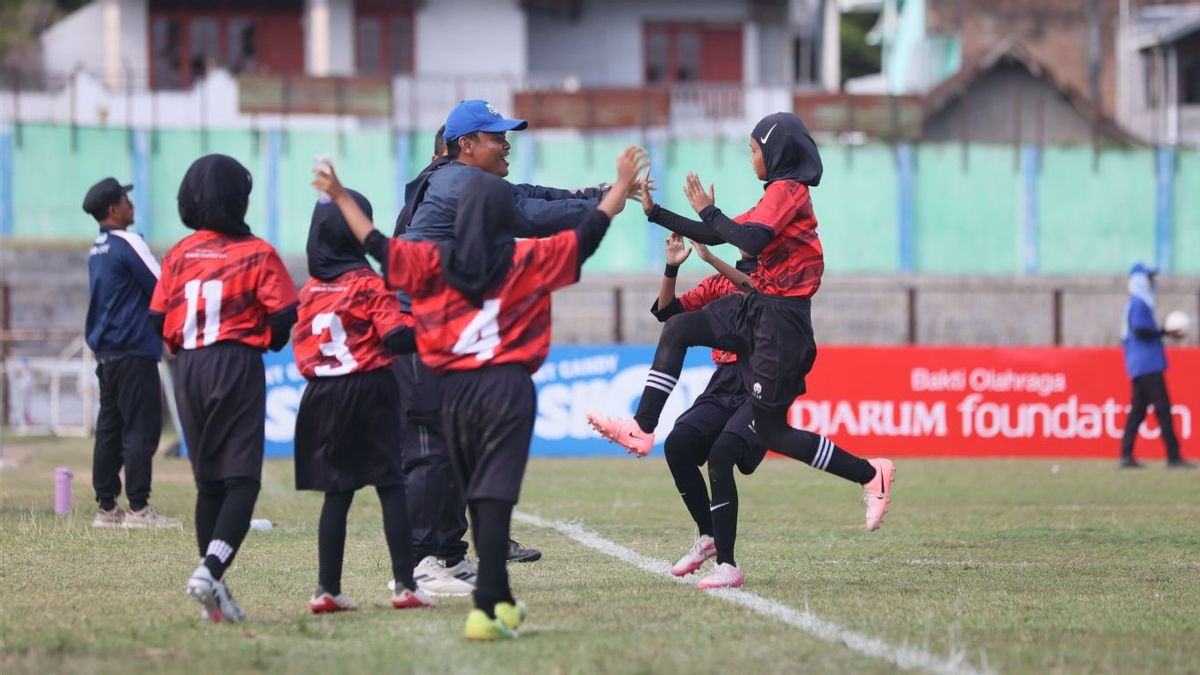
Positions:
{"x": 1171, "y": 464}
{"x": 1129, "y": 463}
{"x": 518, "y": 553}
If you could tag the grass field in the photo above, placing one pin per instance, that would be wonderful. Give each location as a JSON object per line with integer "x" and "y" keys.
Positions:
{"x": 992, "y": 566}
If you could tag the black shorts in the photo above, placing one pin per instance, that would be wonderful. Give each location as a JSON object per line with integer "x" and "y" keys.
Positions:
{"x": 724, "y": 408}
{"x": 782, "y": 348}
{"x": 221, "y": 392}
{"x": 348, "y": 434}
{"x": 487, "y": 423}
{"x": 724, "y": 317}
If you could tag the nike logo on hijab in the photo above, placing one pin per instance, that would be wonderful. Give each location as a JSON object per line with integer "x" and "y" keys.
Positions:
{"x": 768, "y": 134}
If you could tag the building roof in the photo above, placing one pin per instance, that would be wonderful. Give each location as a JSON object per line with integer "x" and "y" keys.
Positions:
{"x": 1164, "y": 25}
{"x": 1010, "y": 52}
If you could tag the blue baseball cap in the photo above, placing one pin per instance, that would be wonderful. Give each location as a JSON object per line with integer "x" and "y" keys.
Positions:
{"x": 1142, "y": 268}
{"x": 477, "y": 115}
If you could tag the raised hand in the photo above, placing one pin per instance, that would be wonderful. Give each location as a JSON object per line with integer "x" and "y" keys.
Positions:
{"x": 630, "y": 163}
{"x": 696, "y": 196}
{"x": 327, "y": 182}
{"x": 677, "y": 252}
{"x": 646, "y": 197}
{"x": 640, "y": 188}
{"x": 701, "y": 250}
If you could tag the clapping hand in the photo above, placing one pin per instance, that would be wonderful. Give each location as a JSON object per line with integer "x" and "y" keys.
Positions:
{"x": 677, "y": 252}
{"x": 696, "y": 196}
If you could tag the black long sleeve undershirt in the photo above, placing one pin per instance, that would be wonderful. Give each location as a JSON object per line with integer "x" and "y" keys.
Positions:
{"x": 403, "y": 340}
{"x": 281, "y": 323}
{"x": 591, "y": 232}
{"x": 714, "y": 228}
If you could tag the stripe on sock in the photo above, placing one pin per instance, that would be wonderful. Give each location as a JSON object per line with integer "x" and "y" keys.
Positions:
{"x": 220, "y": 549}
{"x": 665, "y": 377}
{"x": 824, "y": 454}
{"x": 661, "y": 381}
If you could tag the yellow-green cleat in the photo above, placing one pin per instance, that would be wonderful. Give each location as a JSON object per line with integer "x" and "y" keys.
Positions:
{"x": 511, "y": 615}
{"x": 481, "y": 627}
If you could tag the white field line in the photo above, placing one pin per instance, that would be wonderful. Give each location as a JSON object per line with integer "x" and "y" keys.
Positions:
{"x": 907, "y": 658}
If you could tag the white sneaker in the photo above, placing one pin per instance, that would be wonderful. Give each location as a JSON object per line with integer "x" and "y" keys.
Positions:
{"x": 433, "y": 577}
{"x": 149, "y": 518}
{"x": 704, "y": 548}
{"x": 214, "y": 596}
{"x": 114, "y": 517}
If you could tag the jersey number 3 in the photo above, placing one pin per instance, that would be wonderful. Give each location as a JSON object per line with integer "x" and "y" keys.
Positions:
{"x": 336, "y": 347}
{"x": 482, "y": 334}
{"x": 192, "y": 291}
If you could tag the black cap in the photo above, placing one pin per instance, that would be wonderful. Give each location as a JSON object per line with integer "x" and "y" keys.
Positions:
{"x": 102, "y": 195}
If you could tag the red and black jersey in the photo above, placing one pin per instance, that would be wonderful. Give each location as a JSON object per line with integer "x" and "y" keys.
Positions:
{"x": 793, "y": 262}
{"x": 215, "y": 288}
{"x": 341, "y": 325}
{"x": 513, "y": 326}
{"x": 708, "y": 290}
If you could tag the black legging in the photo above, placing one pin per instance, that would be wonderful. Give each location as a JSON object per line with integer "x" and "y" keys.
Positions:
{"x": 687, "y": 450}
{"x": 223, "y": 511}
{"x": 491, "y": 520}
{"x": 331, "y": 537}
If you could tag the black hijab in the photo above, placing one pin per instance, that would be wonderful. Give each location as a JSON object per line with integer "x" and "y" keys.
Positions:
{"x": 788, "y": 150}
{"x": 479, "y": 256}
{"x": 332, "y": 248}
{"x": 214, "y": 195}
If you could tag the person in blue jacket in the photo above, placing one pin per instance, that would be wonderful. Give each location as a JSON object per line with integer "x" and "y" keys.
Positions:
{"x": 475, "y": 139}
{"x": 1145, "y": 362}
{"x": 122, "y": 273}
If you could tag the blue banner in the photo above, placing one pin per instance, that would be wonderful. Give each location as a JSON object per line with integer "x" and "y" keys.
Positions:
{"x": 572, "y": 382}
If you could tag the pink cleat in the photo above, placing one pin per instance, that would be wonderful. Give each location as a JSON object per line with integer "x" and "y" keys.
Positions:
{"x": 877, "y": 493}
{"x": 723, "y": 575}
{"x": 624, "y": 432}
{"x": 702, "y": 550}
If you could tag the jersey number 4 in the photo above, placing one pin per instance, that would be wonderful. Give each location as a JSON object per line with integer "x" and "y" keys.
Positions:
{"x": 482, "y": 334}
{"x": 192, "y": 292}
{"x": 336, "y": 347}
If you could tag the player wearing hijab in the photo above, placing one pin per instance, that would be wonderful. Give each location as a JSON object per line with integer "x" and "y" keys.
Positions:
{"x": 347, "y": 432}
{"x": 771, "y": 328}
{"x": 482, "y": 307}
{"x": 224, "y": 298}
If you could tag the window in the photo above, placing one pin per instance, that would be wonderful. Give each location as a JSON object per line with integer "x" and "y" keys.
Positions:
{"x": 205, "y": 39}
{"x": 369, "y": 47}
{"x": 241, "y": 46}
{"x": 166, "y": 53}
{"x": 188, "y": 38}
{"x": 384, "y": 43}
{"x": 1191, "y": 84}
{"x": 692, "y": 52}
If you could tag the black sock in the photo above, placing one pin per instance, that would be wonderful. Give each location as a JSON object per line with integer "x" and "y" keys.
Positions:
{"x": 490, "y": 523}
{"x": 331, "y": 540}
{"x": 686, "y": 449}
{"x": 453, "y": 560}
{"x": 108, "y": 504}
{"x": 209, "y": 496}
{"x": 812, "y": 449}
{"x": 724, "y": 509}
{"x": 679, "y": 332}
{"x": 398, "y": 533}
{"x": 232, "y": 523}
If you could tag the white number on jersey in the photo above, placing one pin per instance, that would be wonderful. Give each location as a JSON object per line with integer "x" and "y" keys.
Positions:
{"x": 211, "y": 291}
{"x": 336, "y": 347}
{"x": 482, "y": 335}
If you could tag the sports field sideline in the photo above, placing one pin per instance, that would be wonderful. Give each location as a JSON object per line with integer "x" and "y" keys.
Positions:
{"x": 982, "y": 566}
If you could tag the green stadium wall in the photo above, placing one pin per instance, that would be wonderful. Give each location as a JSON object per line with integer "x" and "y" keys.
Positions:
{"x": 942, "y": 209}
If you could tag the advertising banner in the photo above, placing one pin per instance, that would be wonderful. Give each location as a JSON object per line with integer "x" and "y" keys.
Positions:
{"x": 892, "y": 401}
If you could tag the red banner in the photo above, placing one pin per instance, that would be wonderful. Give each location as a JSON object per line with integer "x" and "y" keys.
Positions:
{"x": 972, "y": 402}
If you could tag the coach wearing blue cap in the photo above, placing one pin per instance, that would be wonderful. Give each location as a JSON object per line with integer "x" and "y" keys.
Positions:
{"x": 476, "y": 137}
{"x": 122, "y": 273}
{"x": 1145, "y": 362}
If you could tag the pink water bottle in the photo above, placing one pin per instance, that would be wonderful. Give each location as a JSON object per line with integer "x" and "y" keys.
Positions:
{"x": 62, "y": 490}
